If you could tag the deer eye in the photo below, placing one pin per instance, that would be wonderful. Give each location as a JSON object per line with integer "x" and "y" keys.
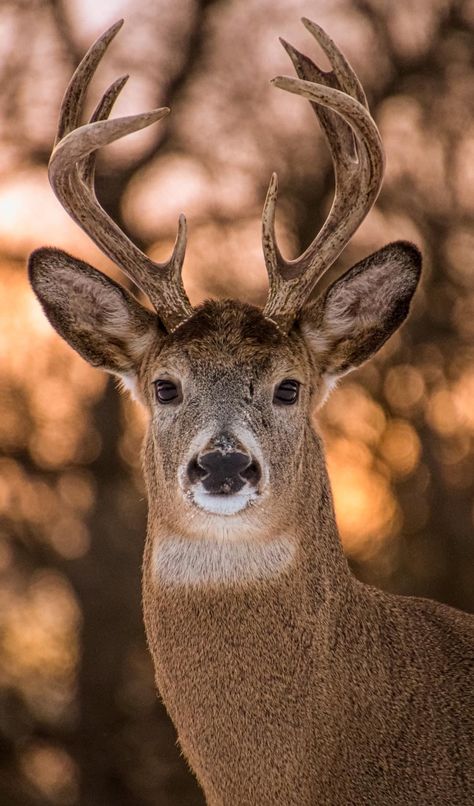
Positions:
{"x": 286, "y": 393}
{"x": 166, "y": 391}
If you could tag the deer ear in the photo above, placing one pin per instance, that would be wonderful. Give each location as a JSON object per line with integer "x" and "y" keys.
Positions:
{"x": 99, "y": 319}
{"x": 361, "y": 310}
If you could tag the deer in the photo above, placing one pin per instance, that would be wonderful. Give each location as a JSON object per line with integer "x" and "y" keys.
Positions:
{"x": 288, "y": 680}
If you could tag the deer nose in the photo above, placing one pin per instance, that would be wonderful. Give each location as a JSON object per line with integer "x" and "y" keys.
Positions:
{"x": 223, "y": 473}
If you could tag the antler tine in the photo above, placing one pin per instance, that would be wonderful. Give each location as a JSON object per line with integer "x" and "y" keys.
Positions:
{"x": 356, "y": 149}
{"x": 101, "y": 112}
{"x": 339, "y": 136}
{"x": 73, "y": 101}
{"x": 345, "y": 75}
{"x": 71, "y": 173}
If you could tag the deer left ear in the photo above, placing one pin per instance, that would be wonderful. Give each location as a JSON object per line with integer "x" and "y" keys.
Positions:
{"x": 361, "y": 310}
{"x": 98, "y": 318}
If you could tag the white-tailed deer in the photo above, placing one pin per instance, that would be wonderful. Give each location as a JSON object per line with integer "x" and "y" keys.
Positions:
{"x": 289, "y": 682}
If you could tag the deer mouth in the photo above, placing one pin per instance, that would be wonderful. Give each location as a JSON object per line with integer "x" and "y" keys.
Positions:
{"x": 222, "y": 503}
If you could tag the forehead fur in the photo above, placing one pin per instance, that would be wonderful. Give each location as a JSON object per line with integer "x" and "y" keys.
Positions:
{"x": 227, "y": 328}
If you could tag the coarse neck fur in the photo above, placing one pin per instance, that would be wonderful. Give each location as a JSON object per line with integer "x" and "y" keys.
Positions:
{"x": 280, "y": 685}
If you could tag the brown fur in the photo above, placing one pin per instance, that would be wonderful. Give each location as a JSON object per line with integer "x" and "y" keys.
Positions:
{"x": 297, "y": 685}
{"x": 315, "y": 689}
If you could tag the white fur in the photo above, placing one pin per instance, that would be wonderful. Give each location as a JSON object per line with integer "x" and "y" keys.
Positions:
{"x": 202, "y": 561}
{"x": 221, "y": 504}
{"x": 329, "y": 382}
{"x": 128, "y": 382}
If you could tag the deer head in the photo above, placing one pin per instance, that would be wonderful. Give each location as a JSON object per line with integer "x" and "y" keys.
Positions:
{"x": 229, "y": 387}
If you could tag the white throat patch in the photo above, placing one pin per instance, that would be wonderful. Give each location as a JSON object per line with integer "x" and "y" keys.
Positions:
{"x": 201, "y": 561}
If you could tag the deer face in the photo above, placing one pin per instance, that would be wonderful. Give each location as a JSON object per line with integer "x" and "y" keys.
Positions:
{"x": 228, "y": 396}
{"x": 229, "y": 393}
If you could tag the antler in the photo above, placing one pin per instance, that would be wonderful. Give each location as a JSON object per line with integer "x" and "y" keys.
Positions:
{"x": 340, "y": 104}
{"x": 71, "y": 174}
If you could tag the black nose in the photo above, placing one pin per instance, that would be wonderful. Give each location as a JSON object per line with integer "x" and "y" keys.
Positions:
{"x": 223, "y": 473}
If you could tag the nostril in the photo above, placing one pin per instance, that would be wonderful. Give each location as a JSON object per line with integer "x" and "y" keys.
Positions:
{"x": 223, "y": 473}
{"x": 196, "y": 472}
{"x": 251, "y": 473}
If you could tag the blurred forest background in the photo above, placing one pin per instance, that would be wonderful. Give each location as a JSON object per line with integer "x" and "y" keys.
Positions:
{"x": 79, "y": 719}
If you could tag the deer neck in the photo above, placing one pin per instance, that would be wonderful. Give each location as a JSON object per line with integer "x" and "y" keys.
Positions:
{"x": 225, "y": 654}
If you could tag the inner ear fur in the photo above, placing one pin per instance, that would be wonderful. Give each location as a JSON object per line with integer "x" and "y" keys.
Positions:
{"x": 102, "y": 321}
{"x": 361, "y": 310}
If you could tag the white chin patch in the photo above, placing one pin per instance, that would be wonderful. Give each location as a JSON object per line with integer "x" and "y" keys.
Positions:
{"x": 222, "y": 504}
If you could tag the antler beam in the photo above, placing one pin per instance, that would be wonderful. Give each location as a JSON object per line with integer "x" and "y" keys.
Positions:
{"x": 71, "y": 174}
{"x": 357, "y": 153}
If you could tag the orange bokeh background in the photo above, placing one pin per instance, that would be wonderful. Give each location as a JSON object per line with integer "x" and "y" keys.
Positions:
{"x": 78, "y": 712}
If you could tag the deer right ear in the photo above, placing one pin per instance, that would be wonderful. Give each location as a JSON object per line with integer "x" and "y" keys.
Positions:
{"x": 360, "y": 311}
{"x": 102, "y": 321}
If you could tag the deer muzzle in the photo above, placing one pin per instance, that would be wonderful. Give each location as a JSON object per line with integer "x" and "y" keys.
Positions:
{"x": 224, "y": 467}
